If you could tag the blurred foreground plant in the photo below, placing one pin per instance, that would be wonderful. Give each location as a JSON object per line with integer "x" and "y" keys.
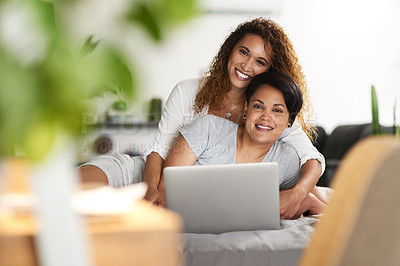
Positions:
{"x": 43, "y": 77}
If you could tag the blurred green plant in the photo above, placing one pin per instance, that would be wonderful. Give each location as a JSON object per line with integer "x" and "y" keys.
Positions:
{"x": 376, "y": 127}
{"x": 40, "y": 98}
{"x": 396, "y": 128}
{"x": 156, "y": 17}
{"x": 117, "y": 80}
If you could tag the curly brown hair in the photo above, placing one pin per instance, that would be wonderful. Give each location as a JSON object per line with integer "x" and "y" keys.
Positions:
{"x": 216, "y": 83}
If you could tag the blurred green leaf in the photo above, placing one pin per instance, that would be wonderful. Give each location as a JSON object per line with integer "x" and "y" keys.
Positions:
{"x": 394, "y": 116}
{"x": 158, "y": 16}
{"x": 120, "y": 106}
{"x": 18, "y": 100}
{"x": 143, "y": 14}
{"x": 376, "y": 128}
{"x": 120, "y": 73}
{"x": 179, "y": 11}
{"x": 46, "y": 15}
{"x": 89, "y": 45}
{"x": 112, "y": 74}
{"x": 41, "y": 136}
{"x": 42, "y": 100}
{"x": 396, "y": 128}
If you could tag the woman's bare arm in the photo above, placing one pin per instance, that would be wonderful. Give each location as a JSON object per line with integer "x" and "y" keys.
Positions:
{"x": 152, "y": 176}
{"x": 311, "y": 205}
{"x": 180, "y": 155}
{"x": 291, "y": 199}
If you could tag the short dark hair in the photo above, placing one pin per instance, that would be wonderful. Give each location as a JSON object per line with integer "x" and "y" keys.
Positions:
{"x": 285, "y": 84}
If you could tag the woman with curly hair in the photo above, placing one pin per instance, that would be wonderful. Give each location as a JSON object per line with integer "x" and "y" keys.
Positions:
{"x": 254, "y": 47}
{"x": 284, "y": 59}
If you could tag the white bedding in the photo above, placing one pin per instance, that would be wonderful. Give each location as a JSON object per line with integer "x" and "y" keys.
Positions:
{"x": 252, "y": 248}
{"x": 264, "y": 247}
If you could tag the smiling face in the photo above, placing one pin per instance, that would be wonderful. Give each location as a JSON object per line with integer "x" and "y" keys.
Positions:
{"x": 249, "y": 57}
{"x": 266, "y": 115}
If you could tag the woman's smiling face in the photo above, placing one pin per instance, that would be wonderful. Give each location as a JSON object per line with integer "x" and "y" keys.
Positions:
{"x": 266, "y": 115}
{"x": 249, "y": 57}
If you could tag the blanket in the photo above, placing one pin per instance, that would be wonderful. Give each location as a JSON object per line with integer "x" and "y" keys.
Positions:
{"x": 262, "y": 247}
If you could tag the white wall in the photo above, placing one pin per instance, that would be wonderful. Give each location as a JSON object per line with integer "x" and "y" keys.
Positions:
{"x": 344, "y": 46}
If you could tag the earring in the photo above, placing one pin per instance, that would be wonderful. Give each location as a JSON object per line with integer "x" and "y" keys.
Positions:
{"x": 244, "y": 116}
{"x": 289, "y": 125}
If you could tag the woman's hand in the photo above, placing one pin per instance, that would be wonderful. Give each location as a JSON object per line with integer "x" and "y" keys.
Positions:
{"x": 290, "y": 201}
{"x": 155, "y": 197}
{"x": 152, "y": 176}
{"x": 180, "y": 155}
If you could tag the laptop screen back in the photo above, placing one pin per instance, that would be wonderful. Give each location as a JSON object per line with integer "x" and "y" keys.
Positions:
{"x": 223, "y": 198}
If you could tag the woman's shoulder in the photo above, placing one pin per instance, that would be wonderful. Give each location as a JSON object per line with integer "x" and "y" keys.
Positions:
{"x": 217, "y": 120}
{"x": 182, "y": 97}
{"x": 188, "y": 86}
{"x": 285, "y": 150}
{"x": 185, "y": 92}
{"x": 215, "y": 123}
{"x": 209, "y": 119}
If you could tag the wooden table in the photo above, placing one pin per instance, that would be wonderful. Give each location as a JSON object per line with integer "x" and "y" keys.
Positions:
{"x": 146, "y": 236}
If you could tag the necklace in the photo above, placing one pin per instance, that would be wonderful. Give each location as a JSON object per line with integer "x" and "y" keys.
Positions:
{"x": 228, "y": 114}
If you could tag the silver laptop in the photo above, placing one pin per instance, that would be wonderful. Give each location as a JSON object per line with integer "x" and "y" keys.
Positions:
{"x": 224, "y": 198}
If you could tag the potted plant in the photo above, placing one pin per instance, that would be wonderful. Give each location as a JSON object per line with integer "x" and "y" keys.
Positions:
{"x": 43, "y": 78}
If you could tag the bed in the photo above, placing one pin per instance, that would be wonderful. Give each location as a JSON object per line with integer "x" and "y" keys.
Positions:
{"x": 252, "y": 248}
{"x": 264, "y": 247}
